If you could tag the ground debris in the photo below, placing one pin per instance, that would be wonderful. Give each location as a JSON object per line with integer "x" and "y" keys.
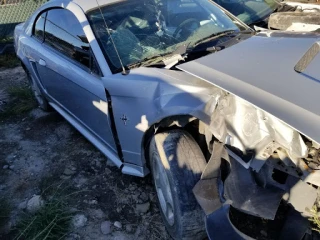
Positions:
{"x": 143, "y": 208}
{"x": 105, "y": 227}
{"x": 35, "y": 203}
{"x": 79, "y": 221}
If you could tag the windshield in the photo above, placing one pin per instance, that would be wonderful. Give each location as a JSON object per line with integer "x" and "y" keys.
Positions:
{"x": 143, "y": 29}
{"x": 249, "y": 11}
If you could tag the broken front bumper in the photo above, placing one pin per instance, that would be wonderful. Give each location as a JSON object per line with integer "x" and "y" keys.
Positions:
{"x": 260, "y": 196}
{"x": 219, "y": 226}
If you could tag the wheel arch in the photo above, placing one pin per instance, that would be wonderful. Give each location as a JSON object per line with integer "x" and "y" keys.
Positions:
{"x": 187, "y": 122}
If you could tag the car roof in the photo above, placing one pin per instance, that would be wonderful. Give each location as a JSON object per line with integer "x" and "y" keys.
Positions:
{"x": 87, "y": 5}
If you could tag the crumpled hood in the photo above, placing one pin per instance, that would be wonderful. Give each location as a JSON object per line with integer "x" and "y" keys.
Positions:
{"x": 261, "y": 71}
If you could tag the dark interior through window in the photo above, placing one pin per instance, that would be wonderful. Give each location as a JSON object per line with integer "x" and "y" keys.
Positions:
{"x": 64, "y": 33}
{"x": 132, "y": 31}
{"x": 39, "y": 27}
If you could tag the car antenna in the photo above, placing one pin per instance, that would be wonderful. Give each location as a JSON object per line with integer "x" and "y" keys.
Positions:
{"x": 124, "y": 71}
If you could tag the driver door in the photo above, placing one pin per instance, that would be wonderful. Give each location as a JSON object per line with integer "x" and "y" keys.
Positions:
{"x": 70, "y": 75}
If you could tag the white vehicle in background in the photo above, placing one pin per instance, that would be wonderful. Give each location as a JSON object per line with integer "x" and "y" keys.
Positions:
{"x": 289, "y": 15}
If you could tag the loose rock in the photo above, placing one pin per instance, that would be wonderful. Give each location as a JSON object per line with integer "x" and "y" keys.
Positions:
{"x": 143, "y": 208}
{"x": 5, "y": 167}
{"x": 121, "y": 236}
{"x": 97, "y": 213}
{"x": 144, "y": 197}
{"x": 79, "y": 220}
{"x": 73, "y": 236}
{"x": 69, "y": 172}
{"x": 93, "y": 202}
{"x": 117, "y": 224}
{"x": 35, "y": 203}
{"x": 105, "y": 227}
{"x": 129, "y": 228}
{"x": 132, "y": 188}
{"x": 23, "y": 205}
{"x": 63, "y": 177}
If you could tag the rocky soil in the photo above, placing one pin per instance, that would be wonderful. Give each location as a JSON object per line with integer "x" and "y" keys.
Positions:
{"x": 40, "y": 151}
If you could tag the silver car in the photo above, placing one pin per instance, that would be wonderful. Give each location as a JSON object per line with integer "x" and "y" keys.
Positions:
{"x": 225, "y": 118}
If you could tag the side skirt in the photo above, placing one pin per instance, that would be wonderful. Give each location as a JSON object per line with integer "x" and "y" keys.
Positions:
{"x": 98, "y": 144}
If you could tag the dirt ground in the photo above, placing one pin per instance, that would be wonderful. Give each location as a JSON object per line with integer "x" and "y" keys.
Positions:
{"x": 39, "y": 150}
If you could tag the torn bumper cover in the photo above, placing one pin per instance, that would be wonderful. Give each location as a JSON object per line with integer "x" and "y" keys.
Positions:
{"x": 243, "y": 191}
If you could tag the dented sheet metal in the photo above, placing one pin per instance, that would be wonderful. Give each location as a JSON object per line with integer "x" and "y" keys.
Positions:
{"x": 256, "y": 79}
{"x": 255, "y": 115}
{"x": 241, "y": 125}
{"x": 259, "y": 137}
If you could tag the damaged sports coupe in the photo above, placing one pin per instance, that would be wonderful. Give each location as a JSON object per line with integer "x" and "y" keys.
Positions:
{"x": 226, "y": 119}
{"x": 291, "y": 15}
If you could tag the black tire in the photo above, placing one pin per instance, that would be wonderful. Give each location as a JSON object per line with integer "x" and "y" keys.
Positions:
{"x": 184, "y": 163}
{"x": 38, "y": 95}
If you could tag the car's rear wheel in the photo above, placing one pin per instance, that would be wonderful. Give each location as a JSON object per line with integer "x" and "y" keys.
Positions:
{"x": 41, "y": 100}
{"x": 177, "y": 164}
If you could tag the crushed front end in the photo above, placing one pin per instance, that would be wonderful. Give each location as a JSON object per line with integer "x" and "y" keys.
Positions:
{"x": 259, "y": 167}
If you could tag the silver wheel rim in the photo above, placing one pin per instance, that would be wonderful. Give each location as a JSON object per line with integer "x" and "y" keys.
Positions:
{"x": 163, "y": 190}
{"x": 36, "y": 91}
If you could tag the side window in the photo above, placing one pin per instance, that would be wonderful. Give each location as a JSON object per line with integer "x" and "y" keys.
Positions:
{"x": 39, "y": 27}
{"x": 64, "y": 33}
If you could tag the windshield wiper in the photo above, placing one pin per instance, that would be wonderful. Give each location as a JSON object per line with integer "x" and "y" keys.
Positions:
{"x": 213, "y": 36}
{"x": 165, "y": 59}
{"x": 147, "y": 61}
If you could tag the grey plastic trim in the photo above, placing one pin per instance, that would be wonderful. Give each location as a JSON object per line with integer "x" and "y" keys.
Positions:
{"x": 135, "y": 170}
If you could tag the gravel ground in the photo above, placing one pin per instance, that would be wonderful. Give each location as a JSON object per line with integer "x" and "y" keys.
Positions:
{"x": 38, "y": 150}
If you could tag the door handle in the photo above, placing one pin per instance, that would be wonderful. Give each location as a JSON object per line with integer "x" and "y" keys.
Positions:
{"x": 42, "y": 62}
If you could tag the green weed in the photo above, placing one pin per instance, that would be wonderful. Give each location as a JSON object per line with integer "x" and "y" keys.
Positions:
{"x": 9, "y": 61}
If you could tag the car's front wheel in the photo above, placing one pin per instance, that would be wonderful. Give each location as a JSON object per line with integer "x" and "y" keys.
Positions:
{"x": 177, "y": 164}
